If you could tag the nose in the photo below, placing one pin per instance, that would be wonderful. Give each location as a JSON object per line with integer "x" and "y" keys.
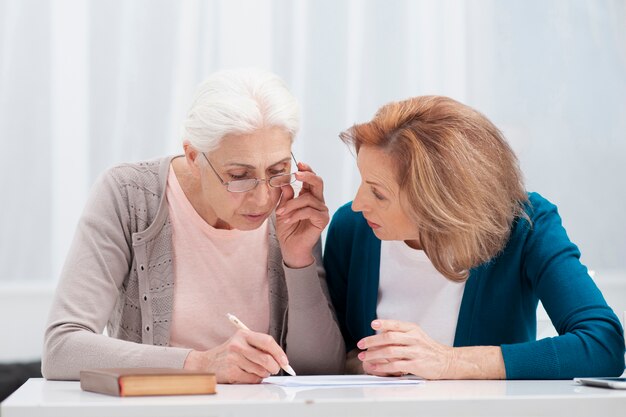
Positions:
{"x": 358, "y": 203}
{"x": 261, "y": 194}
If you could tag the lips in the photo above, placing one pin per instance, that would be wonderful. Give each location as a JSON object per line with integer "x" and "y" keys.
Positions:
{"x": 255, "y": 216}
{"x": 372, "y": 224}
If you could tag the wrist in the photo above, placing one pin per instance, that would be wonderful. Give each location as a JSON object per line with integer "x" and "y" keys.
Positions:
{"x": 448, "y": 371}
{"x": 196, "y": 361}
{"x": 298, "y": 262}
{"x": 476, "y": 362}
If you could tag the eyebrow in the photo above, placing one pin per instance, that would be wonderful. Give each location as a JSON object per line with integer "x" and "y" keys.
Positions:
{"x": 237, "y": 164}
{"x": 377, "y": 184}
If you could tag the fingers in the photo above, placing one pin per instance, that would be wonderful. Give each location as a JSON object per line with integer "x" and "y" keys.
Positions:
{"x": 256, "y": 361}
{"x": 305, "y": 167}
{"x": 230, "y": 364}
{"x": 267, "y": 344}
{"x": 287, "y": 194}
{"x": 249, "y": 363}
{"x": 391, "y": 332}
{"x": 247, "y": 357}
{"x": 235, "y": 374}
{"x": 311, "y": 184}
{"x": 317, "y": 218}
{"x": 385, "y": 353}
{"x": 403, "y": 347}
{"x": 305, "y": 200}
{"x": 304, "y": 207}
{"x": 395, "y": 368}
{"x": 243, "y": 377}
{"x": 371, "y": 368}
{"x": 393, "y": 325}
{"x": 307, "y": 206}
{"x": 386, "y": 339}
{"x": 310, "y": 181}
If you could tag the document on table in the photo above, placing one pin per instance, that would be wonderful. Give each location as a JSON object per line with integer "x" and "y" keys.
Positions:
{"x": 340, "y": 380}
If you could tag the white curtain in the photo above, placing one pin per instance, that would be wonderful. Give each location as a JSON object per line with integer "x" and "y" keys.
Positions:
{"x": 87, "y": 84}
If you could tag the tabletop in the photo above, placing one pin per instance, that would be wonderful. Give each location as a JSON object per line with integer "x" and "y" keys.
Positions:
{"x": 432, "y": 398}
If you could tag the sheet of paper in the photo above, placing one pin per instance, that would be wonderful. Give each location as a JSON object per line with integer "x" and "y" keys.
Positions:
{"x": 340, "y": 380}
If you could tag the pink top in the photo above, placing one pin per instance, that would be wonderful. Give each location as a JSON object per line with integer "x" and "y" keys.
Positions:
{"x": 211, "y": 277}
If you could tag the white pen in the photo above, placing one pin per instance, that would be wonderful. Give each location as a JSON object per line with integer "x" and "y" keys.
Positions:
{"x": 234, "y": 320}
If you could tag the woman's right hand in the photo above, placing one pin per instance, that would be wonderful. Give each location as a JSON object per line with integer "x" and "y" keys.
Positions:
{"x": 246, "y": 358}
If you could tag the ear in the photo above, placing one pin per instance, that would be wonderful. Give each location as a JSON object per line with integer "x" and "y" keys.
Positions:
{"x": 192, "y": 155}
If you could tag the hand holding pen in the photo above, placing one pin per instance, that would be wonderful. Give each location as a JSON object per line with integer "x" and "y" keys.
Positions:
{"x": 246, "y": 358}
{"x": 239, "y": 324}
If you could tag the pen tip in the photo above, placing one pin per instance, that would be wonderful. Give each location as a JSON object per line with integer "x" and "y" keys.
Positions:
{"x": 289, "y": 370}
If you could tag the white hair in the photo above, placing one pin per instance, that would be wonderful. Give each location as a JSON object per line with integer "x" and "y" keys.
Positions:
{"x": 239, "y": 101}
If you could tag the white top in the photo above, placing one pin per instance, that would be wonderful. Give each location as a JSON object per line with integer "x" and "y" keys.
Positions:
{"x": 411, "y": 289}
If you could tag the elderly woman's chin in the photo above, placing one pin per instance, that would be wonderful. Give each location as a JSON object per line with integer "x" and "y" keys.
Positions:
{"x": 253, "y": 220}
{"x": 249, "y": 220}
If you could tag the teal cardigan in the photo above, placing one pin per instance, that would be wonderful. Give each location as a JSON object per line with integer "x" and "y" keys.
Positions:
{"x": 500, "y": 299}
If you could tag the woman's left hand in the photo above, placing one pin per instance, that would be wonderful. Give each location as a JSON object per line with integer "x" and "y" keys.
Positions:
{"x": 300, "y": 220}
{"x": 404, "y": 348}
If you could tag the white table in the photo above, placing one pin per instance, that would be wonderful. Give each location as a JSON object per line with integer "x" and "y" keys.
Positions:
{"x": 39, "y": 397}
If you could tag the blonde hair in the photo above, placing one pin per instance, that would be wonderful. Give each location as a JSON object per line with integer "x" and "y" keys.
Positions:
{"x": 459, "y": 180}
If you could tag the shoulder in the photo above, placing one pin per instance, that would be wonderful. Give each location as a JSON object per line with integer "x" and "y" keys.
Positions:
{"x": 146, "y": 175}
{"x": 134, "y": 191}
{"x": 538, "y": 209}
{"x": 538, "y": 206}
{"x": 543, "y": 231}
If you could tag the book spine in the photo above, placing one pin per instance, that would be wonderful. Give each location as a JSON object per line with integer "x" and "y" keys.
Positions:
{"x": 103, "y": 384}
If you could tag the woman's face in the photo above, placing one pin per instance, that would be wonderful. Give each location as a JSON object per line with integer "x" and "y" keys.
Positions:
{"x": 261, "y": 154}
{"x": 378, "y": 197}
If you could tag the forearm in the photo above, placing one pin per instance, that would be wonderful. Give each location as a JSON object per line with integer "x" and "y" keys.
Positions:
{"x": 591, "y": 351}
{"x": 475, "y": 362}
{"x": 65, "y": 355}
{"x": 314, "y": 341}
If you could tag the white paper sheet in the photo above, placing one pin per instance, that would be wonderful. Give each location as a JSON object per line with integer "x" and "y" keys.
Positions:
{"x": 340, "y": 380}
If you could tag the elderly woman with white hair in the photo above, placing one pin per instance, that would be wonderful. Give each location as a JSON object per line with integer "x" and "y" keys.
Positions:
{"x": 165, "y": 249}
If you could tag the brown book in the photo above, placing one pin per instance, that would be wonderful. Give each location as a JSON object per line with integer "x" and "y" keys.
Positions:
{"x": 126, "y": 382}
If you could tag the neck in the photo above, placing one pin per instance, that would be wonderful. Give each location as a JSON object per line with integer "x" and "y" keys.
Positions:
{"x": 192, "y": 188}
{"x": 414, "y": 244}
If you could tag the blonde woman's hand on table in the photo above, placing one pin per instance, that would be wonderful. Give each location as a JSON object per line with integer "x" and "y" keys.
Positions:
{"x": 402, "y": 348}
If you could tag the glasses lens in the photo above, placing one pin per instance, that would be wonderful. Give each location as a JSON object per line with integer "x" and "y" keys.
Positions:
{"x": 282, "y": 180}
{"x": 241, "y": 186}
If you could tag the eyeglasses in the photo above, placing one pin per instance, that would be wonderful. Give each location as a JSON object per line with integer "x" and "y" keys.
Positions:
{"x": 241, "y": 186}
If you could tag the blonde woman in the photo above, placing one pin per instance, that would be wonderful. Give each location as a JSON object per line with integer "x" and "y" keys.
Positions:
{"x": 437, "y": 266}
{"x": 166, "y": 248}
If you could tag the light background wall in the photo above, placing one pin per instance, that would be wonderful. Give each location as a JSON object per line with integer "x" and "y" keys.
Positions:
{"x": 87, "y": 84}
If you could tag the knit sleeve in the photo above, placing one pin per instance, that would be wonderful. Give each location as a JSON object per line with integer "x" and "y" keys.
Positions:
{"x": 591, "y": 340}
{"x": 92, "y": 278}
{"x": 336, "y": 263}
{"x": 314, "y": 342}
